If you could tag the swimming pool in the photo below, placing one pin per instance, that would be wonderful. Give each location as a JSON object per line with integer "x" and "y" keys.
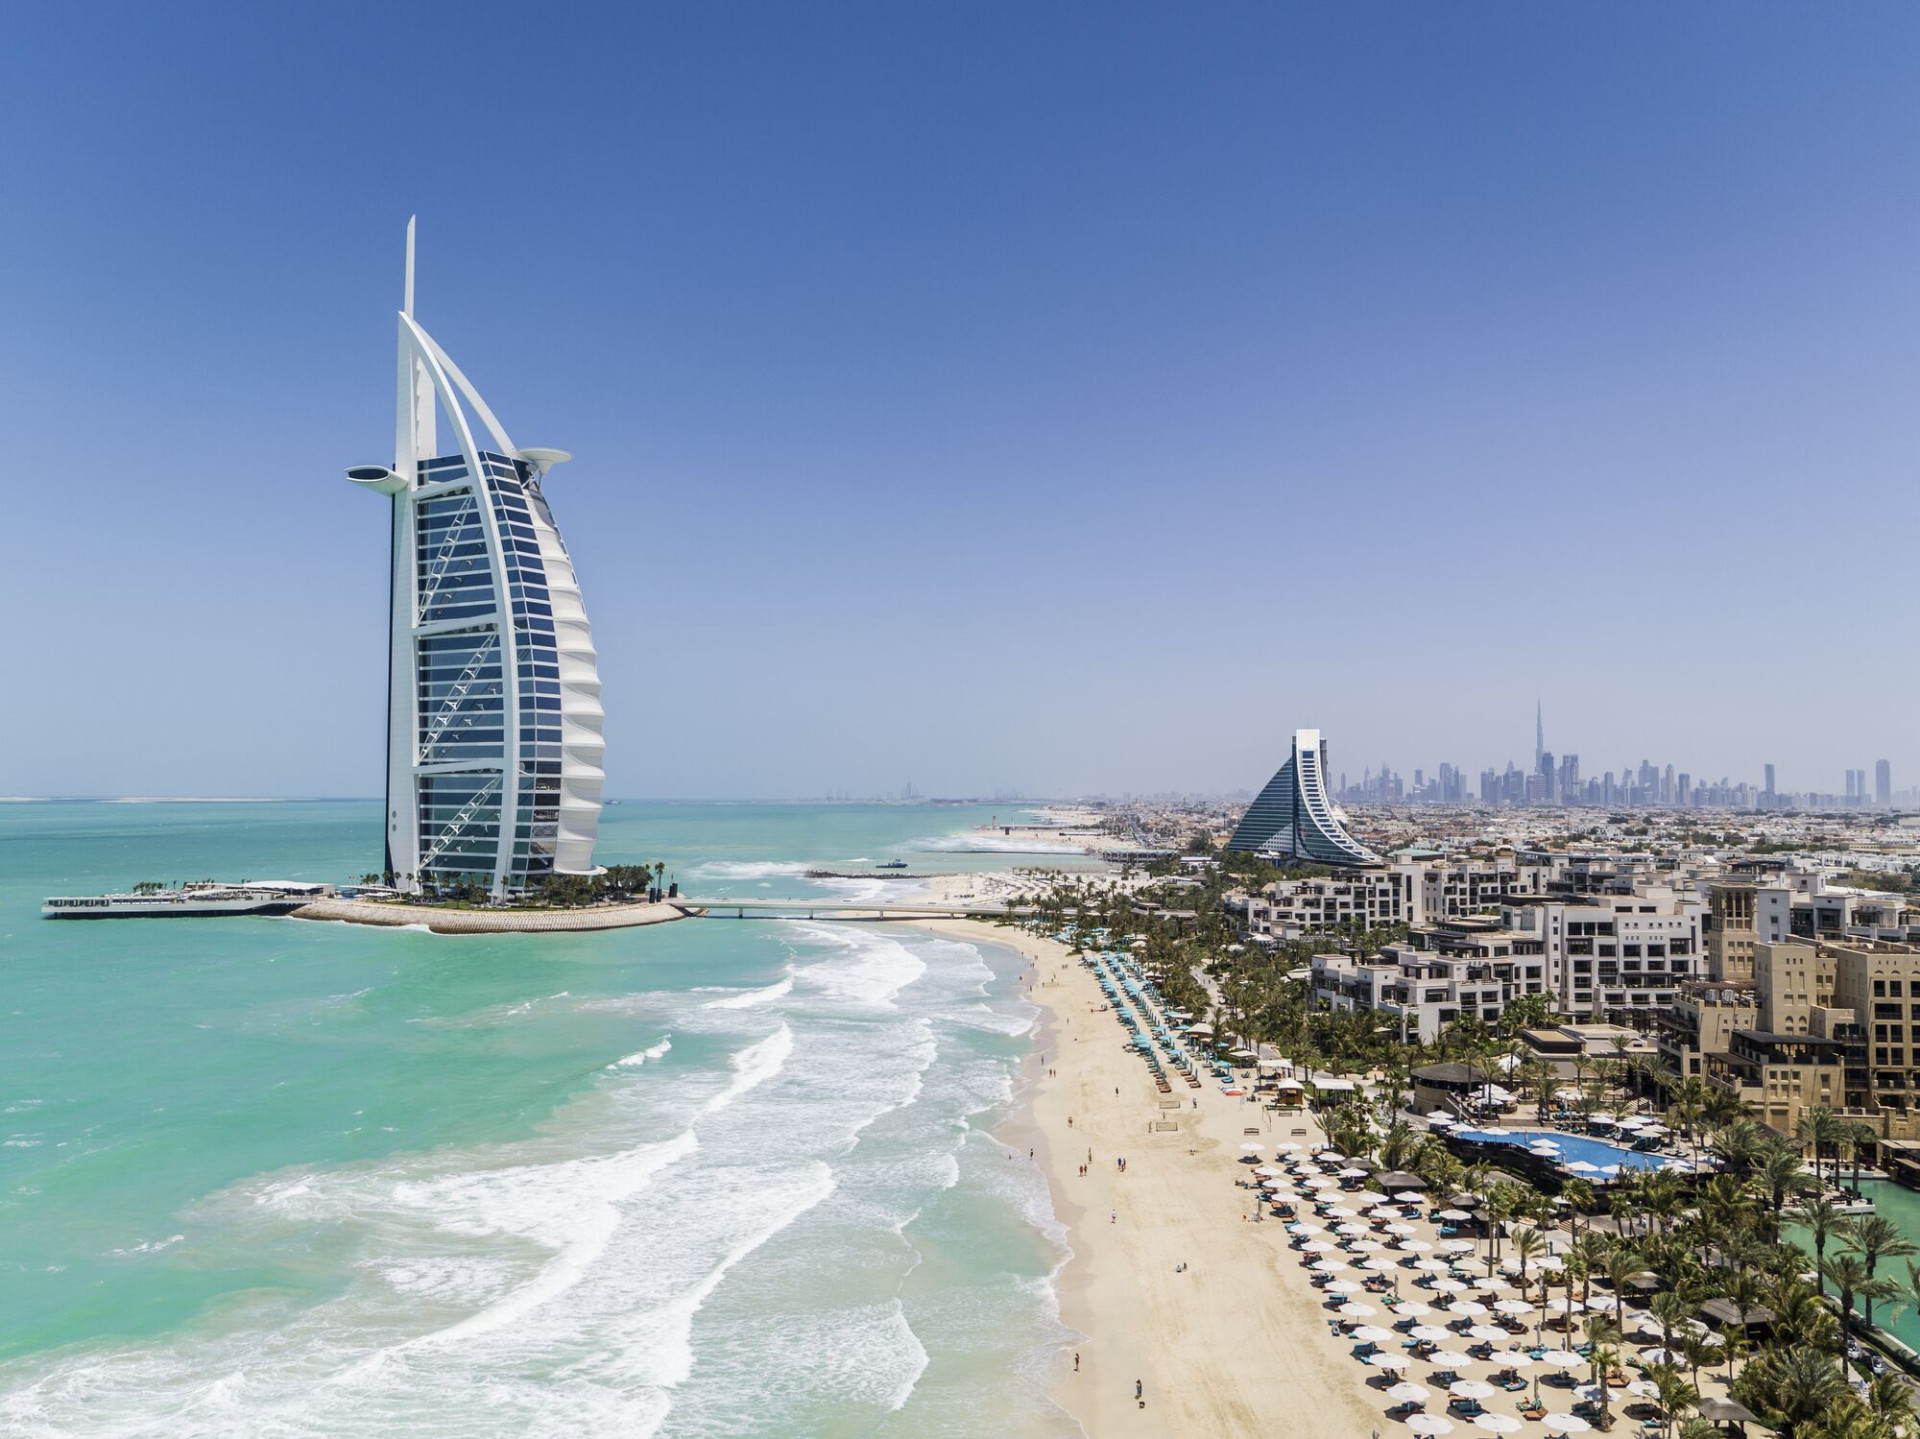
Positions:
{"x": 1573, "y": 1147}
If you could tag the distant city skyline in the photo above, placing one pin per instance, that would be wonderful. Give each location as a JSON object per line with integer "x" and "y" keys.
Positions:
{"x": 1565, "y": 779}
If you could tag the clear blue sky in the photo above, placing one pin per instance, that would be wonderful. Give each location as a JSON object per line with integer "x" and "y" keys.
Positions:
{"x": 1068, "y": 397}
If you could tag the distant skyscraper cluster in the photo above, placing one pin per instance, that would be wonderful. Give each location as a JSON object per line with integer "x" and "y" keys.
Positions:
{"x": 1557, "y": 780}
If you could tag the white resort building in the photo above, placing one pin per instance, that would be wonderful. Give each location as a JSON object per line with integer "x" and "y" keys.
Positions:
{"x": 494, "y": 721}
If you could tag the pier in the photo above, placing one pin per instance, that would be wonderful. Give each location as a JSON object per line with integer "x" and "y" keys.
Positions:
{"x": 834, "y": 910}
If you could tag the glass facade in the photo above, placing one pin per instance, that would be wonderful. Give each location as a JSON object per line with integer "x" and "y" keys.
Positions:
{"x": 486, "y": 675}
{"x": 1292, "y": 817}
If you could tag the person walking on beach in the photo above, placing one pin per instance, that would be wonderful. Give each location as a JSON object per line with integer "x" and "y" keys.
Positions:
{"x": 1076, "y": 1370}
{"x": 1113, "y": 1216}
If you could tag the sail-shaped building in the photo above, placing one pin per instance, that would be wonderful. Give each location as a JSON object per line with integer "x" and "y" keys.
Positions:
{"x": 494, "y": 721}
{"x": 1293, "y": 817}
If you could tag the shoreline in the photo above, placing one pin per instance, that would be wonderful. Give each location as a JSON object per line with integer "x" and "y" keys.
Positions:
{"x": 1234, "y": 1344}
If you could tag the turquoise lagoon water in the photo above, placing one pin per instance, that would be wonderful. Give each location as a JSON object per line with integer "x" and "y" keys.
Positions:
{"x": 711, "y": 1178}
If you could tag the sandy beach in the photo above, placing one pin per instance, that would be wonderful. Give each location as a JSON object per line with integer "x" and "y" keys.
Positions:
{"x": 1237, "y": 1343}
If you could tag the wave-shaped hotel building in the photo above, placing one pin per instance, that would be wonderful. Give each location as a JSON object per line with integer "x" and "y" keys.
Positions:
{"x": 1293, "y": 818}
{"x": 494, "y": 720}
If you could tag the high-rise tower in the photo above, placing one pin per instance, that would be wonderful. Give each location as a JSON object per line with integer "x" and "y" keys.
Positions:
{"x": 1539, "y": 735}
{"x": 494, "y": 718}
{"x": 1293, "y": 817}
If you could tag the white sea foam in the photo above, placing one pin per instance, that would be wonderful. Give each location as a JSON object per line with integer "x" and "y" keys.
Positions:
{"x": 148, "y": 1246}
{"x": 754, "y": 1066}
{"x": 866, "y": 967}
{"x": 572, "y": 1208}
{"x": 747, "y": 868}
{"x": 752, "y": 998}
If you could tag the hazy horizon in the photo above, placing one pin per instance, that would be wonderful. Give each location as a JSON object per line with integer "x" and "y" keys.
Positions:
{"x": 1061, "y": 401}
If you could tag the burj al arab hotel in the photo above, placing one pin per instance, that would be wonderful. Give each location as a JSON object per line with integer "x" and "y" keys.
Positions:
{"x": 494, "y": 720}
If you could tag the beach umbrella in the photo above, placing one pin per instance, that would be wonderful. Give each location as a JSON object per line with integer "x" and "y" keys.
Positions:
{"x": 1456, "y": 1246}
{"x": 1366, "y": 1246}
{"x": 1287, "y": 1148}
{"x": 1429, "y": 1424}
{"x": 1439, "y": 1116}
{"x": 1447, "y": 1359}
{"x": 1379, "y": 1265}
{"x": 1432, "y": 1266}
{"x": 1315, "y": 1181}
{"x": 1561, "y": 1359}
{"x": 1407, "y": 1392}
{"x": 1350, "y": 1228}
{"x": 1252, "y": 1148}
{"x": 1415, "y": 1246}
{"x": 1384, "y": 1360}
{"x": 1644, "y": 1389}
{"x": 1454, "y": 1216}
{"x": 1365, "y": 1199}
{"x": 1409, "y": 1196}
{"x": 1472, "y": 1389}
{"x": 1450, "y": 1286}
{"x": 1411, "y": 1309}
{"x": 1590, "y": 1393}
{"x": 1340, "y": 1211}
{"x": 1330, "y": 1266}
{"x": 1404, "y": 1230}
{"x": 1327, "y": 1156}
{"x": 1564, "y": 1306}
{"x": 1269, "y": 1171}
{"x": 1513, "y": 1358}
{"x": 1513, "y": 1306}
{"x": 1467, "y": 1308}
{"x": 1496, "y": 1423}
{"x": 1358, "y": 1311}
{"x": 1373, "y": 1334}
{"x": 1580, "y": 1166}
{"x": 1432, "y": 1333}
{"x": 1657, "y": 1355}
{"x": 1566, "y": 1423}
{"x": 1301, "y": 1226}
{"x": 1351, "y": 1173}
{"x": 1342, "y": 1286}
{"x": 1316, "y": 1246}
{"x": 1488, "y": 1333}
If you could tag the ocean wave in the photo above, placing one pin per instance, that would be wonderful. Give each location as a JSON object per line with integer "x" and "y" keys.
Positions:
{"x": 991, "y": 844}
{"x": 749, "y": 999}
{"x": 754, "y": 1066}
{"x": 747, "y": 868}
{"x": 635, "y": 1060}
{"x": 868, "y": 968}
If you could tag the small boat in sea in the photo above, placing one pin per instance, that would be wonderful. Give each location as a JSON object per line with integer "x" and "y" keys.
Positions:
{"x": 892, "y": 864}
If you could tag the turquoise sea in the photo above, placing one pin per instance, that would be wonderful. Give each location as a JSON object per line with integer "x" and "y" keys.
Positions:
{"x": 267, "y": 1177}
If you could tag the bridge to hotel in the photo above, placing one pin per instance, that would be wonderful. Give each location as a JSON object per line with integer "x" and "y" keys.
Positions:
{"x": 852, "y": 911}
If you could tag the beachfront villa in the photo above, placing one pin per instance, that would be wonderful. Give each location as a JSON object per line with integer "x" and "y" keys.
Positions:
{"x": 494, "y": 721}
{"x": 1293, "y": 817}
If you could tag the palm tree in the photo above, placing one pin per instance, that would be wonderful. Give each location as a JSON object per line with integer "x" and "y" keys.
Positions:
{"x": 1806, "y": 1383}
{"x": 1823, "y": 1220}
{"x": 1528, "y": 1245}
{"x": 1673, "y": 1312}
{"x": 1877, "y": 1238}
{"x": 1816, "y": 1129}
{"x": 1783, "y": 1174}
{"x": 1864, "y": 1139}
{"x": 1853, "y": 1279}
{"x": 1579, "y": 1196}
{"x": 1676, "y": 1393}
